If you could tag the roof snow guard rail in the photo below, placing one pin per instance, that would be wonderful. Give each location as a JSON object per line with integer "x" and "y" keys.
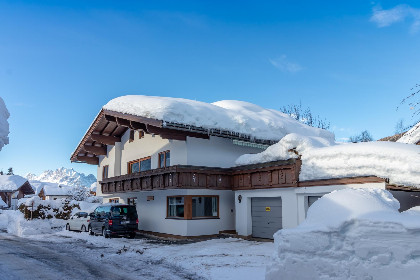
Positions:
{"x": 218, "y": 132}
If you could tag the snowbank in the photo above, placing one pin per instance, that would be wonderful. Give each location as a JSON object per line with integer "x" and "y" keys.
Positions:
{"x": 350, "y": 234}
{"x": 15, "y": 223}
{"x": 11, "y": 182}
{"x": 412, "y": 136}
{"x": 324, "y": 159}
{"x": 4, "y": 125}
{"x": 231, "y": 115}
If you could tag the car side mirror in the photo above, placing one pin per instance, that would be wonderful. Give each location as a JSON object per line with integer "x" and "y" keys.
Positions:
{"x": 92, "y": 215}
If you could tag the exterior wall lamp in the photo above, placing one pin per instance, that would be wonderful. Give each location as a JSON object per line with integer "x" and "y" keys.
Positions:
{"x": 239, "y": 198}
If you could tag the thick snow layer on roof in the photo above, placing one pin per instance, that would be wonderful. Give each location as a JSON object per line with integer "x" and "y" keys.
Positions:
{"x": 4, "y": 125}
{"x": 350, "y": 234}
{"x": 412, "y": 136}
{"x": 50, "y": 188}
{"x": 282, "y": 149}
{"x": 323, "y": 159}
{"x": 231, "y": 115}
{"x": 398, "y": 162}
{"x": 11, "y": 182}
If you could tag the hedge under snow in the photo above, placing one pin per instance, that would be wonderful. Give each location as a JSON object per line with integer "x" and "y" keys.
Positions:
{"x": 325, "y": 159}
{"x": 231, "y": 115}
{"x": 350, "y": 234}
{"x": 4, "y": 125}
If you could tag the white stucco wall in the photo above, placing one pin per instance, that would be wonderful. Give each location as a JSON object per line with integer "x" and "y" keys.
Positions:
{"x": 294, "y": 203}
{"x": 152, "y": 214}
{"x": 215, "y": 152}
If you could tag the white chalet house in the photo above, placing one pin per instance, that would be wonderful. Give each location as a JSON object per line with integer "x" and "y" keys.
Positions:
{"x": 175, "y": 160}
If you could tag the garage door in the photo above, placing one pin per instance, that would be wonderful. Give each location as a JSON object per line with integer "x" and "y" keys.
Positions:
{"x": 266, "y": 216}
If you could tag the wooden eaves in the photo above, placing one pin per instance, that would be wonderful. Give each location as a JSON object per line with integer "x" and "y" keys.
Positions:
{"x": 109, "y": 126}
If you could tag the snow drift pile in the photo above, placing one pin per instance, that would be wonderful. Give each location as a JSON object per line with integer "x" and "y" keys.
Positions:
{"x": 231, "y": 115}
{"x": 15, "y": 223}
{"x": 324, "y": 159}
{"x": 4, "y": 125}
{"x": 350, "y": 234}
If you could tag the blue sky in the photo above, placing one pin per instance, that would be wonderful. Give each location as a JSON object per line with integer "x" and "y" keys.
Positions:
{"x": 351, "y": 62}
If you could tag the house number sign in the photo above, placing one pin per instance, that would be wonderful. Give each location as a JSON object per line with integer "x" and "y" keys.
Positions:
{"x": 267, "y": 209}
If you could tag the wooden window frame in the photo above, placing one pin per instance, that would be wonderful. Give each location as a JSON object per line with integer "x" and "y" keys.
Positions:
{"x": 131, "y": 136}
{"x": 107, "y": 171}
{"x": 134, "y": 199}
{"x": 141, "y": 134}
{"x": 114, "y": 198}
{"x": 188, "y": 208}
{"x": 130, "y": 163}
{"x": 164, "y": 159}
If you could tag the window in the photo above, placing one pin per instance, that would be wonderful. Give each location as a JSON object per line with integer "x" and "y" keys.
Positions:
{"x": 205, "y": 206}
{"x": 193, "y": 207}
{"x": 114, "y": 200}
{"x": 131, "y": 138}
{"x": 139, "y": 165}
{"x": 141, "y": 134}
{"x": 176, "y": 206}
{"x": 105, "y": 172}
{"x": 132, "y": 201}
{"x": 164, "y": 159}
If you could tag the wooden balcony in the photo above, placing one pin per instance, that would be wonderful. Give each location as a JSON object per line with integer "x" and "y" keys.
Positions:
{"x": 270, "y": 175}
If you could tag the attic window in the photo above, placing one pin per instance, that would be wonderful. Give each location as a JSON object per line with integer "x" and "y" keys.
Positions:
{"x": 131, "y": 139}
{"x": 141, "y": 134}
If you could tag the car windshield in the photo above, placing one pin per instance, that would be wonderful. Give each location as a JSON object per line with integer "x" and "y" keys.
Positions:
{"x": 124, "y": 211}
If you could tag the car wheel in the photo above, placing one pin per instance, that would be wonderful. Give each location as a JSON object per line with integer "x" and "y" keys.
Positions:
{"x": 104, "y": 234}
{"x": 83, "y": 228}
{"x": 132, "y": 235}
{"x": 68, "y": 227}
{"x": 90, "y": 230}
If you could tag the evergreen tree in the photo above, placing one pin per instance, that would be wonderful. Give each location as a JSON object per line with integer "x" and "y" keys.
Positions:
{"x": 10, "y": 171}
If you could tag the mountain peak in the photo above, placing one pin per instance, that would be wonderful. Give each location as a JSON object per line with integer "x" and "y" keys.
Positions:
{"x": 64, "y": 176}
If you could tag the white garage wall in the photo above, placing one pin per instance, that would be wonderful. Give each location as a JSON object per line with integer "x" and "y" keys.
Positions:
{"x": 294, "y": 203}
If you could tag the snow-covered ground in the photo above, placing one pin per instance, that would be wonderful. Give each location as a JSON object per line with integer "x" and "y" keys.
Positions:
{"x": 351, "y": 234}
{"x": 228, "y": 258}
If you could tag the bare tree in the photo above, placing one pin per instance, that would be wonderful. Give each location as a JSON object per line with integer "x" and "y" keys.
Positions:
{"x": 399, "y": 127}
{"x": 413, "y": 102}
{"x": 305, "y": 116}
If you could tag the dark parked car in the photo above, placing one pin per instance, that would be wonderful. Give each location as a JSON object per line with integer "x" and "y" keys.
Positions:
{"x": 114, "y": 220}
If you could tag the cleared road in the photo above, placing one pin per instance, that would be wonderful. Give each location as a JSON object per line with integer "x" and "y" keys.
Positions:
{"x": 22, "y": 259}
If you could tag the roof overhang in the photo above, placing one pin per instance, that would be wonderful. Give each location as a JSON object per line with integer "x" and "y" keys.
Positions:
{"x": 109, "y": 126}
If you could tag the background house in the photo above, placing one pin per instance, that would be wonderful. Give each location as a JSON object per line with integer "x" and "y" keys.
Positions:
{"x": 51, "y": 191}
{"x": 13, "y": 187}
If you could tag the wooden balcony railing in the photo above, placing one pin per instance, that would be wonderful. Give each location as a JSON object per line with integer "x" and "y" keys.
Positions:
{"x": 274, "y": 175}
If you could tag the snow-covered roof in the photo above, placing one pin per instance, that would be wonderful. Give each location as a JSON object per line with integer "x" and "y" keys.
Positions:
{"x": 231, "y": 115}
{"x": 11, "y": 182}
{"x": 4, "y": 125}
{"x": 51, "y": 188}
{"x": 325, "y": 160}
{"x": 412, "y": 136}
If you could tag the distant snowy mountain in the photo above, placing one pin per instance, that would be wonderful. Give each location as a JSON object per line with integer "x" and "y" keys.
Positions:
{"x": 64, "y": 176}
